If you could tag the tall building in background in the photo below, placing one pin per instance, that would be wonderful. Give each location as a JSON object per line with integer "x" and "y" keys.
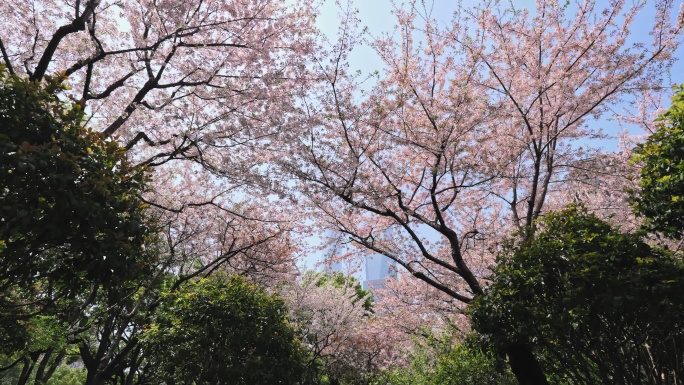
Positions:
{"x": 377, "y": 269}
{"x": 335, "y": 248}
{"x": 372, "y": 273}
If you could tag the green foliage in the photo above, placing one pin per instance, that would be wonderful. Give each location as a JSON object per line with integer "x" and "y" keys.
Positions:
{"x": 443, "y": 363}
{"x": 14, "y": 331}
{"x": 68, "y": 197}
{"x": 65, "y": 375}
{"x": 222, "y": 330}
{"x": 661, "y": 199}
{"x": 71, "y": 225}
{"x": 596, "y": 304}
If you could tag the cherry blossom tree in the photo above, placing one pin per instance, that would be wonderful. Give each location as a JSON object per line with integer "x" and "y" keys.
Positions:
{"x": 472, "y": 130}
{"x": 329, "y": 317}
{"x": 199, "y": 91}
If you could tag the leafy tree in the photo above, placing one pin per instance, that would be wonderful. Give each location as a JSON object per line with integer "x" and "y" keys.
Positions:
{"x": 441, "y": 362}
{"x": 596, "y": 304}
{"x": 222, "y": 330}
{"x": 69, "y": 207}
{"x": 72, "y": 225}
{"x": 661, "y": 197}
{"x": 65, "y": 375}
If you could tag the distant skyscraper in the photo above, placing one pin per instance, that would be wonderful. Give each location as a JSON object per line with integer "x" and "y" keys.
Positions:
{"x": 377, "y": 269}
{"x": 335, "y": 249}
{"x": 372, "y": 273}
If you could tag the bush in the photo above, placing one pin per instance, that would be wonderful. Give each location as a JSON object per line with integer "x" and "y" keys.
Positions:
{"x": 596, "y": 304}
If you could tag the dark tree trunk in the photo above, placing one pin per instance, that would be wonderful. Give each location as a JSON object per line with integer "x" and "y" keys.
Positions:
{"x": 26, "y": 370}
{"x": 524, "y": 366}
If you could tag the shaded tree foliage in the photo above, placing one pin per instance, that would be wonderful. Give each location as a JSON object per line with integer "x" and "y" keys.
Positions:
{"x": 68, "y": 202}
{"x": 222, "y": 330}
{"x": 63, "y": 375}
{"x": 598, "y": 306}
{"x": 442, "y": 361}
{"x": 72, "y": 228}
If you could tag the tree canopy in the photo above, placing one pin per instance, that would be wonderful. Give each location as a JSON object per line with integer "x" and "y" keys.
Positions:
{"x": 440, "y": 361}
{"x": 71, "y": 221}
{"x": 222, "y": 330}
{"x": 598, "y": 305}
{"x": 70, "y": 206}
